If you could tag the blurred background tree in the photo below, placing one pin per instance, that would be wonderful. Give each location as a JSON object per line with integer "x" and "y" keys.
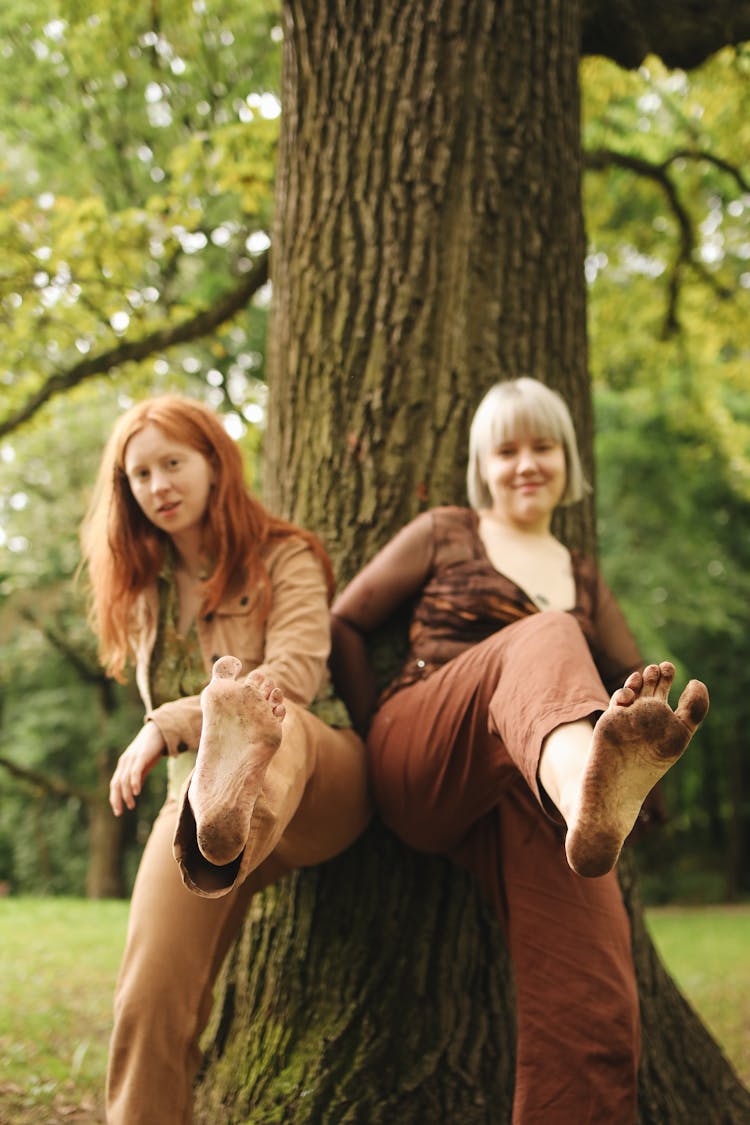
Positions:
{"x": 135, "y": 202}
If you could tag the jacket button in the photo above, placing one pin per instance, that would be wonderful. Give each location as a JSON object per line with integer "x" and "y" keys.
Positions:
{"x": 181, "y": 747}
{"x": 245, "y": 600}
{"x": 209, "y": 617}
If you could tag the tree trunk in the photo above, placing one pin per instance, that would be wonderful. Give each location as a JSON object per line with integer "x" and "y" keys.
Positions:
{"x": 104, "y": 876}
{"x": 428, "y": 241}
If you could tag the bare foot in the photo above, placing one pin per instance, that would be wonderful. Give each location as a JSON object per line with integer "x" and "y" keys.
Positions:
{"x": 637, "y": 739}
{"x": 241, "y": 733}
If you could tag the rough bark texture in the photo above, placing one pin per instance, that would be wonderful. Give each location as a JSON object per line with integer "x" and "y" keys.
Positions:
{"x": 429, "y": 240}
{"x": 363, "y": 992}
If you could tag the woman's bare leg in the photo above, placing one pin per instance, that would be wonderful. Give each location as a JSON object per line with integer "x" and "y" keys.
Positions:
{"x": 599, "y": 777}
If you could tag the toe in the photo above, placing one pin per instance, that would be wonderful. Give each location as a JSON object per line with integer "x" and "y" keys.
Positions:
{"x": 692, "y": 706}
{"x": 624, "y": 696}
{"x": 226, "y": 668}
{"x": 634, "y": 683}
{"x": 651, "y": 680}
{"x": 666, "y": 679}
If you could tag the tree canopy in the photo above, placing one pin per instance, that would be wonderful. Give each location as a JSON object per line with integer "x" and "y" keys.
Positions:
{"x": 135, "y": 203}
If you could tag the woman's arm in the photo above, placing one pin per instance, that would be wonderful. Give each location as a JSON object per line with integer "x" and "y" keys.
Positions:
{"x": 617, "y": 653}
{"x": 135, "y": 762}
{"x": 297, "y": 630}
{"x": 395, "y": 574}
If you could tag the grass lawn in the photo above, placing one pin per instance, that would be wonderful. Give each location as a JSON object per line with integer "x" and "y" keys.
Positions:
{"x": 60, "y": 957}
{"x": 707, "y": 951}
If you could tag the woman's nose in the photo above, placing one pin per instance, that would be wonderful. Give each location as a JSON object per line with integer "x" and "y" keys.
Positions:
{"x": 159, "y": 481}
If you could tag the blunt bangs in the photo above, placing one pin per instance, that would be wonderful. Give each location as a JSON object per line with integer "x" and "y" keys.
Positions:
{"x": 515, "y": 407}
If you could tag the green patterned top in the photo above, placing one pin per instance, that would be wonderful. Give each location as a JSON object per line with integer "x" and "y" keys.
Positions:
{"x": 177, "y": 667}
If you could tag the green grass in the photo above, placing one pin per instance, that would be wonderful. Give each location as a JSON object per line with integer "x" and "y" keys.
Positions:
{"x": 60, "y": 958}
{"x": 707, "y": 951}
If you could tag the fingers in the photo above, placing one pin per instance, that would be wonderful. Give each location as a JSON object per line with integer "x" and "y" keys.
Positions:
{"x": 134, "y": 763}
{"x": 126, "y": 783}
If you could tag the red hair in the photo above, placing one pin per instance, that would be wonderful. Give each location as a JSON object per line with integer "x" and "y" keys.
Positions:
{"x": 124, "y": 551}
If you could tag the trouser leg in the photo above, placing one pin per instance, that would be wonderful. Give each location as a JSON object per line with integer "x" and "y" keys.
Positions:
{"x": 454, "y": 762}
{"x": 578, "y": 1029}
{"x": 442, "y": 750}
{"x": 313, "y": 804}
{"x": 175, "y": 945}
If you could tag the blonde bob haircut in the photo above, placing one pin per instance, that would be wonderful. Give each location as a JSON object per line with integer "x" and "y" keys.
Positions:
{"x": 521, "y": 406}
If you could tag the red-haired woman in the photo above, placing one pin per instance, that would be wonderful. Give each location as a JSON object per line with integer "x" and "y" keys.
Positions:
{"x": 185, "y": 567}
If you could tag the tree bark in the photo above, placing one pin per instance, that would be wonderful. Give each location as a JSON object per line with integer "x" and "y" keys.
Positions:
{"x": 429, "y": 240}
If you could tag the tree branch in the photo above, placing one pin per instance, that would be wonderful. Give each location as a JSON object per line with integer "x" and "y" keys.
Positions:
{"x": 54, "y": 786}
{"x": 710, "y": 158}
{"x": 133, "y": 351}
{"x": 599, "y": 159}
{"x": 682, "y": 35}
{"x": 89, "y": 673}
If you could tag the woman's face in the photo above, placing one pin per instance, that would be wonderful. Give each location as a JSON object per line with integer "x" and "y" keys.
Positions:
{"x": 170, "y": 482}
{"x": 526, "y": 477}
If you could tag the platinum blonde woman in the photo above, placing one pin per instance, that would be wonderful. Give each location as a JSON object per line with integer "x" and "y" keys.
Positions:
{"x": 521, "y": 738}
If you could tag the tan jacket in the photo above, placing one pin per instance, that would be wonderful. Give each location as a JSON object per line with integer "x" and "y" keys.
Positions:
{"x": 291, "y": 644}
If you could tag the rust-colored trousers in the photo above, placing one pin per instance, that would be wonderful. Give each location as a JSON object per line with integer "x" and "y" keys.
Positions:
{"x": 453, "y": 763}
{"x": 313, "y": 805}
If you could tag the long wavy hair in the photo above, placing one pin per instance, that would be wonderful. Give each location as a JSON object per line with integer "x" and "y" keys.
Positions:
{"x": 124, "y": 551}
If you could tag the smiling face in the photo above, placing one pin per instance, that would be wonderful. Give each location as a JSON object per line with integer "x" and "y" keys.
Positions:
{"x": 526, "y": 479}
{"x": 171, "y": 483}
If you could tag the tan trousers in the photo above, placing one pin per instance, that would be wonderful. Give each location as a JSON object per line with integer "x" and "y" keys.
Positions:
{"x": 453, "y": 763}
{"x": 314, "y": 804}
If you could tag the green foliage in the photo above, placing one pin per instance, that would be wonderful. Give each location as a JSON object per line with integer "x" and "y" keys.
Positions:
{"x": 138, "y": 182}
{"x": 135, "y": 190}
{"x": 670, "y": 239}
{"x": 674, "y": 513}
{"x": 668, "y": 215}
{"x": 139, "y": 144}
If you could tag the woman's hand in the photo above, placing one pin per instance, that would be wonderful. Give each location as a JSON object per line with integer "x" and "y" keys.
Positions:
{"x": 134, "y": 763}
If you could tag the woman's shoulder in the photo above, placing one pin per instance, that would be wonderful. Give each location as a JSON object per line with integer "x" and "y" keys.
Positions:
{"x": 584, "y": 565}
{"x": 588, "y": 579}
{"x": 290, "y": 550}
{"x": 453, "y": 516}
